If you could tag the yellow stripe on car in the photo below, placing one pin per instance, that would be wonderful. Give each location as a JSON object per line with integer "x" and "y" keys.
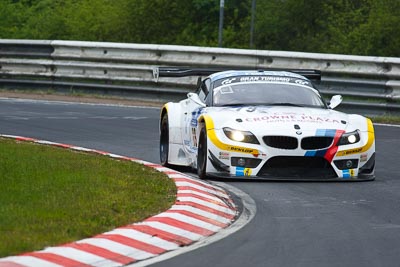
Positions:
{"x": 371, "y": 138}
{"x": 214, "y": 139}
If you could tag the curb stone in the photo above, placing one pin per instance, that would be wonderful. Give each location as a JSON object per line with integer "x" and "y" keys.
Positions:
{"x": 200, "y": 210}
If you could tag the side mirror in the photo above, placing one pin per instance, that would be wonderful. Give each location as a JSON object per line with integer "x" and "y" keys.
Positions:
{"x": 196, "y": 99}
{"x": 335, "y": 101}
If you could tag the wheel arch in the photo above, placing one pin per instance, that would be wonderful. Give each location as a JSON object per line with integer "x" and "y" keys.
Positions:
{"x": 164, "y": 110}
{"x": 202, "y": 151}
{"x": 175, "y": 141}
{"x": 202, "y": 123}
{"x": 174, "y": 111}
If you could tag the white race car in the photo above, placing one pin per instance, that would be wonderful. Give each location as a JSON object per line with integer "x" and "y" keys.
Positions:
{"x": 264, "y": 125}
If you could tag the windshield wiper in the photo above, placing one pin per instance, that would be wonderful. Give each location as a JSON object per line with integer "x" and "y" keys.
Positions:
{"x": 264, "y": 104}
{"x": 235, "y": 105}
{"x": 285, "y": 104}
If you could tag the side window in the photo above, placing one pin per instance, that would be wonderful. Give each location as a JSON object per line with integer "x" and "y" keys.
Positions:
{"x": 202, "y": 95}
{"x": 204, "y": 89}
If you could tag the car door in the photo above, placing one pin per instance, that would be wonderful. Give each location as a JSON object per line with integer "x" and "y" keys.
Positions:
{"x": 193, "y": 107}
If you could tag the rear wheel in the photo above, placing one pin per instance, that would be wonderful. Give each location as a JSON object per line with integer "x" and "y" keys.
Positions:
{"x": 202, "y": 155}
{"x": 164, "y": 140}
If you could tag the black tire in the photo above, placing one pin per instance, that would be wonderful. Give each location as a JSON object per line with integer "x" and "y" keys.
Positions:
{"x": 202, "y": 155}
{"x": 164, "y": 140}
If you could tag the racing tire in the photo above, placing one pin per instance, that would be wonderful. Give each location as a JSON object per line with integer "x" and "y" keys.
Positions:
{"x": 164, "y": 141}
{"x": 202, "y": 154}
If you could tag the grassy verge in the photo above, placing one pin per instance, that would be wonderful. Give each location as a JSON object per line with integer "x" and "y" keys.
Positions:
{"x": 77, "y": 97}
{"x": 386, "y": 119}
{"x": 51, "y": 196}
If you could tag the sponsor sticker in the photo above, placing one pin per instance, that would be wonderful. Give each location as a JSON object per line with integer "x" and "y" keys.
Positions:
{"x": 265, "y": 79}
{"x": 302, "y": 82}
{"x": 363, "y": 157}
{"x": 274, "y": 77}
{"x": 295, "y": 118}
{"x": 349, "y": 152}
{"x": 228, "y": 81}
{"x": 348, "y": 173}
{"x": 242, "y": 149}
{"x": 224, "y": 155}
{"x": 240, "y": 171}
{"x": 195, "y": 115}
{"x": 193, "y": 122}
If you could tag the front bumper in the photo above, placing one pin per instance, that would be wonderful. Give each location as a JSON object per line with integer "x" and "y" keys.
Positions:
{"x": 348, "y": 162}
{"x": 291, "y": 179}
{"x": 295, "y": 168}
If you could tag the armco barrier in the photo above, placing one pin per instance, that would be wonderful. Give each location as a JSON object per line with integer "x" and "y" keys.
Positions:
{"x": 369, "y": 84}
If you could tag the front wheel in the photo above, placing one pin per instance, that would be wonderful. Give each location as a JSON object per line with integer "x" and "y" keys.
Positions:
{"x": 164, "y": 140}
{"x": 202, "y": 155}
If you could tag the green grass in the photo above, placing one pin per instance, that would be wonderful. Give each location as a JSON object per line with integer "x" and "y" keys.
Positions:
{"x": 50, "y": 196}
{"x": 390, "y": 119}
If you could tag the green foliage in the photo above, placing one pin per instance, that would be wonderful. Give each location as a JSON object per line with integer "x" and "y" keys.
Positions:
{"x": 12, "y": 19}
{"x": 363, "y": 27}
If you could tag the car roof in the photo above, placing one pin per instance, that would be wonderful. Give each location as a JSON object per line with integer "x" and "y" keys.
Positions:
{"x": 234, "y": 73}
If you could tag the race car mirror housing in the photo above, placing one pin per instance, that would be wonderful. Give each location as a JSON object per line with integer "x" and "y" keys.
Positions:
{"x": 196, "y": 99}
{"x": 335, "y": 101}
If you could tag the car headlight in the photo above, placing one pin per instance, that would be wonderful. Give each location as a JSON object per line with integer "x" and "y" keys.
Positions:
{"x": 240, "y": 136}
{"x": 349, "y": 138}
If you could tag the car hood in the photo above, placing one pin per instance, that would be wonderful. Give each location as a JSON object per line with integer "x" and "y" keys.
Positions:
{"x": 278, "y": 119}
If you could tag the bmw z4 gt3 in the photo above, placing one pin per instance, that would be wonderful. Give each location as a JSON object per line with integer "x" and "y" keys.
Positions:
{"x": 265, "y": 125}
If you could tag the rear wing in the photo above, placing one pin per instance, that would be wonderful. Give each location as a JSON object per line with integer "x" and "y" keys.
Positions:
{"x": 314, "y": 75}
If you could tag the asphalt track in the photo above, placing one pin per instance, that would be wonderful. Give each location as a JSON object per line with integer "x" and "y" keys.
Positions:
{"x": 297, "y": 223}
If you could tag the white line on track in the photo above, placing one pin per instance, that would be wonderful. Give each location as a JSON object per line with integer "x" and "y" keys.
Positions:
{"x": 72, "y": 103}
{"x": 387, "y": 125}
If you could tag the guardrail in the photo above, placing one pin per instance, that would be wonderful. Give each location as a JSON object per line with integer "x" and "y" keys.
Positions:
{"x": 370, "y": 85}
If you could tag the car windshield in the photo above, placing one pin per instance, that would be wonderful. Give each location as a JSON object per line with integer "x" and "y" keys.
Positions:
{"x": 266, "y": 94}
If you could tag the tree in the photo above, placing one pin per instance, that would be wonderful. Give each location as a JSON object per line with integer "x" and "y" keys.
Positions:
{"x": 13, "y": 17}
{"x": 360, "y": 27}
